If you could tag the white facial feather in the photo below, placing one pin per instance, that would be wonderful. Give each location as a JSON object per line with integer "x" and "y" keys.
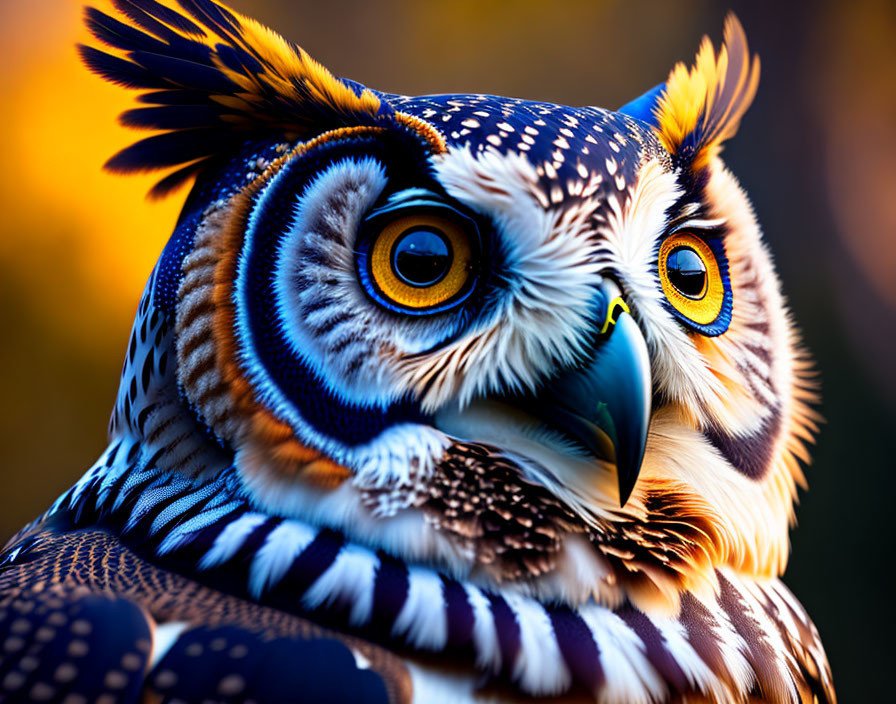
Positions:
{"x": 753, "y": 515}
{"x": 335, "y": 202}
{"x": 544, "y": 317}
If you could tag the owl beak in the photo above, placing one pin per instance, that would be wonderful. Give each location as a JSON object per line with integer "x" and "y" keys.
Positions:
{"x": 606, "y": 404}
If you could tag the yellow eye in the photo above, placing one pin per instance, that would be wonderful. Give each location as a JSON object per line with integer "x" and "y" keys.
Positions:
{"x": 421, "y": 260}
{"x": 691, "y": 278}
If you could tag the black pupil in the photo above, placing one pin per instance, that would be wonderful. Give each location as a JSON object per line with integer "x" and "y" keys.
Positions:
{"x": 686, "y": 271}
{"x": 421, "y": 257}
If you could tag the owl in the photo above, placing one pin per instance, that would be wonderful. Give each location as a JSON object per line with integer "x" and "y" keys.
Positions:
{"x": 448, "y": 398}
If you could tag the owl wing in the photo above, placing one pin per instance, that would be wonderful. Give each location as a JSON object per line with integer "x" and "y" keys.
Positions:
{"x": 84, "y": 619}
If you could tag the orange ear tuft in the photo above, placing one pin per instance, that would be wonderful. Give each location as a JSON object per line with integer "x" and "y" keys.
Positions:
{"x": 215, "y": 79}
{"x": 701, "y": 107}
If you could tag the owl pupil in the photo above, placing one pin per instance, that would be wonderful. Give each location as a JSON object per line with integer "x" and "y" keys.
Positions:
{"x": 421, "y": 257}
{"x": 686, "y": 271}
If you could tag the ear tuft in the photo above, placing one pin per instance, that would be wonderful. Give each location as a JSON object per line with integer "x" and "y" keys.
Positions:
{"x": 701, "y": 107}
{"x": 217, "y": 79}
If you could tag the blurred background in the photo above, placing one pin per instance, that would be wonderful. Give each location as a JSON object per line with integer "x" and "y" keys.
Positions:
{"x": 817, "y": 154}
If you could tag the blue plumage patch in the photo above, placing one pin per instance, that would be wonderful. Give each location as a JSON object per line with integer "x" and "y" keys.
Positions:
{"x": 59, "y": 644}
{"x": 644, "y": 107}
{"x": 235, "y": 665}
{"x": 230, "y": 176}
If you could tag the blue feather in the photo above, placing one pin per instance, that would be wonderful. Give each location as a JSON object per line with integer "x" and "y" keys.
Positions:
{"x": 84, "y": 635}
{"x": 174, "y": 180}
{"x": 172, "y": 54}
{"x": 170, "y": 117}
{"x": 119, "y": 71}
{"x": 163, "y": 150}
{"x": 240, "y": 666}
{"x": 238, "y": 60}
{"x": 145, "y": 21}
{"x": 213, "y": 16}
{"x": 168, "y": 16}
{"x": 642, "y": 108}
{"x": 118, "y": 34}
{"x": 188, "y": 74}
{"x": 175, "y": 96}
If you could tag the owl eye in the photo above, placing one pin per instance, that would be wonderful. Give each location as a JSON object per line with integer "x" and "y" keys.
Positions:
{"x": 687, "y": 272}
{"x": 691, "y": 279}
{"x": 422, "y": 261}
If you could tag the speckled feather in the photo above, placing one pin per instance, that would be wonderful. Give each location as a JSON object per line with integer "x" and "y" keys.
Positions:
{"x": 82, "y": 616}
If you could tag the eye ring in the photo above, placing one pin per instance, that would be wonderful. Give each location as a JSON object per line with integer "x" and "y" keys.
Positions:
{"x": 680, "y": 257}
{"x": 450, "y": 263}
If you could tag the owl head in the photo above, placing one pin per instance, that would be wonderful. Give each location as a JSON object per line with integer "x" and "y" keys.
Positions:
{"x": 536, "y": 344}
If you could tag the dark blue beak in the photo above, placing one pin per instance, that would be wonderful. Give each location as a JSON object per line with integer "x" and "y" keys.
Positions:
{"x": 606, "y": 403}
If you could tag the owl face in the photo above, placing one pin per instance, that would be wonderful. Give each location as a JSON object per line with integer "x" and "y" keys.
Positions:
{"x": 511, "y": 338}
{"x": 404, "y": 288}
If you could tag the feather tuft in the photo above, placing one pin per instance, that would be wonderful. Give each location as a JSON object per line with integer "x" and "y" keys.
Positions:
{"x": 216, "y": 79}
{"x": 701, "y": 107}
{"x": 117, "y": 71}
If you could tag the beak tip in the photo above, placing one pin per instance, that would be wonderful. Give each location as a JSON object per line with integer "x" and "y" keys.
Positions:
{"x": 627, "y": 478}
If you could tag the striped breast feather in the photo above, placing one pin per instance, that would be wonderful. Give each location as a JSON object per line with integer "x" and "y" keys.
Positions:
{"x": 749, "y": 639}
{"x": 214, "y": 79}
